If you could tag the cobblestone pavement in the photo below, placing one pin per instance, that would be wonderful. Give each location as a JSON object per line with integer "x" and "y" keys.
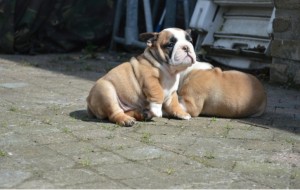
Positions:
{"x": 47, "y": 140}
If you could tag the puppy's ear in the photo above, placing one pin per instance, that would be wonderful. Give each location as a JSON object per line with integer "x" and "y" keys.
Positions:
{"x": 149, "y": 37}
{"x": 189, "y": 31}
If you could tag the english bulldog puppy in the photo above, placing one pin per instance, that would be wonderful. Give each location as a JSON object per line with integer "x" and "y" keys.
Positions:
{"x": 140, "y": 88}
{"x": 209, "y": 91}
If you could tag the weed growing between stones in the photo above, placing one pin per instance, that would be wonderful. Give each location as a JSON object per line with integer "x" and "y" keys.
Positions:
{"x": 4, "y": 124}
{"x": 213, "y": 119}
{"x": 2, "y": 153}
{"x": 227, "y": 129}
{"x": 209, "y": 155}
{"x": 54, "y": 108}
{"x": 85, "y": 162}
{"x": 110, "y": 136}
{"x": 110, "y": 128}
{"x": 66, "y": 130}
{"x": 207, "y": 159}
{"x": 13, "y": 109}
{"x": 145, "y": 138}
{"x": 204, "y": 161}
{"x": 25, "y": 62}
{"x": 46, "y": 121}
{"x": 170, "y": 171}
{"x": 290, "y": 141}
{"x": 120, "y": 147}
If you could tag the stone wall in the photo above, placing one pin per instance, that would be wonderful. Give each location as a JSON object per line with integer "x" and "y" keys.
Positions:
{"x": 285, "y": 48}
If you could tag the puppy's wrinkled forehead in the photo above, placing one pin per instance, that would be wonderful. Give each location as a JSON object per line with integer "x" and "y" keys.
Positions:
{"x": 177, "y": 34}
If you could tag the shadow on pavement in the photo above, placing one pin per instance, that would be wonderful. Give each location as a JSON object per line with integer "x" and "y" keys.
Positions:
{"x": 72, "y": 64}
{"x": 280, "y": 121}
{"x": 83, "y": 116}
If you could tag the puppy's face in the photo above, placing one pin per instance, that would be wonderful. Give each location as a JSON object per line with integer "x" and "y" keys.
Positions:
{"x": 172, "y": 46}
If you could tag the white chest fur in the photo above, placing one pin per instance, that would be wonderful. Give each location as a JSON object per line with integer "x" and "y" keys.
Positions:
{"x": 170, "y": 85}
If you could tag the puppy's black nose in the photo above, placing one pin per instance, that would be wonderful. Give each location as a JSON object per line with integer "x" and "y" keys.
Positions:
{"x": 186, "y": 48}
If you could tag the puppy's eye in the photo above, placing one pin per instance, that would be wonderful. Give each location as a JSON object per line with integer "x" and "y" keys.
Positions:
{"x": 171, "y": 44}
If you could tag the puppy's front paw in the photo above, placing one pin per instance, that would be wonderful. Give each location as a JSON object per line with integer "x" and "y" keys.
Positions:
{"x": 184, "y": 116}
{"x": 123, "y": 120}
{"x": 127, "y": 123}
{"x": 156, "y": 109}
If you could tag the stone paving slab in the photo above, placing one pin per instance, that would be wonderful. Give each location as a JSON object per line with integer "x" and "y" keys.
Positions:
{"x": 47, "y": 140}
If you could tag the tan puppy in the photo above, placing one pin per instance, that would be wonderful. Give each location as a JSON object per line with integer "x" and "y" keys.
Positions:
{"x": 141, "y": 88}
{"x": 214, "y": 92}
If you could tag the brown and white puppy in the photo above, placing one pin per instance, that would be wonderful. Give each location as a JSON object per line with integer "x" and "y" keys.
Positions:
{"x": 147, "y": 82}
{"x": 213, "y": 92}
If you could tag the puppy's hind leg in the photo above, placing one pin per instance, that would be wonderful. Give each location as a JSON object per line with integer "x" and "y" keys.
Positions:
{"x": 105, "y": 104}
{"x": 190, "y": 106}
{"x": 173, "y": 108}
{"x": 122, "y": 119}
{"x": 116, "y": 113}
